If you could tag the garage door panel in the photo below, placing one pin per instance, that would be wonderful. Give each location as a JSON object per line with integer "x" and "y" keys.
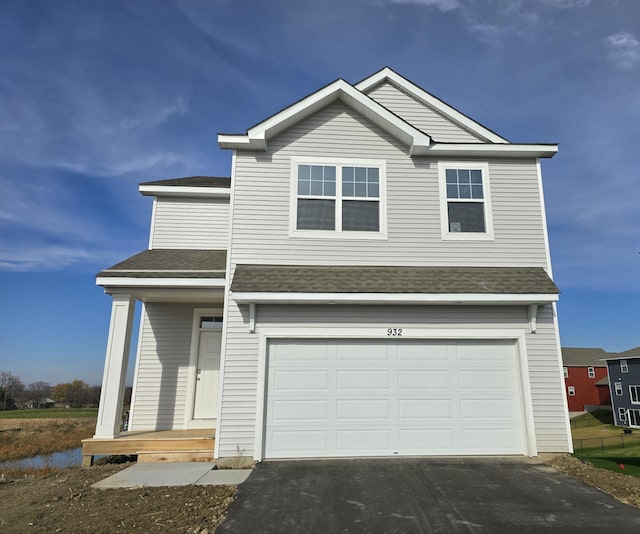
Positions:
{"x": 363, "y": 409}
{"x": 300, "y": 379}
{"x": 368, "y": 440}
{"x": 387, "y": 397}
{"x": 418, "y": 379}
{"x": 427, "y": 409}
{"x": 286, "y": 411}
{"x": 364, "y": 379}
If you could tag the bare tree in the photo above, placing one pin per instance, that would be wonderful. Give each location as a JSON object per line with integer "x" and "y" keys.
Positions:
{"x": 10, "y": 384}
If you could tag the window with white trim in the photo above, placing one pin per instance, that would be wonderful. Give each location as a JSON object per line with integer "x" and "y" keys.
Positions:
{"x": 634, "y": 394}
{"x": 339, "y": 197}
{"x": 464, "y": 200}
{"x": 622, "y": 415}
{"x": 571, "y": 390}
{"x": 634, "y": 417}
{"x": 624, "y": 367}
{"x": 566, "y": 372}
{"x": 592, "y": 372}
{"x": 618, "y": 388}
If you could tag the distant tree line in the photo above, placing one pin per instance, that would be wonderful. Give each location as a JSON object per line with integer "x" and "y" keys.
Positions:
{"x": 75, "y": 394}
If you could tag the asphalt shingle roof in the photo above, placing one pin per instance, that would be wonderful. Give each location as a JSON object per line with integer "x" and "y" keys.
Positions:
{"x": 194, "y": 181}
{"x": 171, "y": 263}
{"x": 583, "y": 356}
{"x": 352, "y": 279}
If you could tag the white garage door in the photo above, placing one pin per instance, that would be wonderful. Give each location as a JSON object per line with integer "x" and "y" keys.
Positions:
{"x": 386, "y": 397}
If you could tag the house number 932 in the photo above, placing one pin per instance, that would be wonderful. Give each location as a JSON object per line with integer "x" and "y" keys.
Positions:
{"x": 394, "y": 332}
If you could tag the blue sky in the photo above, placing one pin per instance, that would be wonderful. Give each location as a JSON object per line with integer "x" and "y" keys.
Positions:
{"x": 97, "y": 96}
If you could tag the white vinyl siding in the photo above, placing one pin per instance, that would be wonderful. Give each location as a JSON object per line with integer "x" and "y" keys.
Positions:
{"x": 162, "y": 367}
{"x": 190, "y": 223}
{"x": 421, "y": 116}
{"x": 237, "y": 424}
{"x": 262, "y": 203}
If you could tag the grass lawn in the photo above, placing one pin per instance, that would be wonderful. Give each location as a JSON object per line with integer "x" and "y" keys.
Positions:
{"x": 604, "y": 445}
{"x": 49, "y": 413}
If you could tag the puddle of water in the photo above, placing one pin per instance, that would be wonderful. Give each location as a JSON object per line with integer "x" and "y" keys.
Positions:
{"x": 68, "y": 458}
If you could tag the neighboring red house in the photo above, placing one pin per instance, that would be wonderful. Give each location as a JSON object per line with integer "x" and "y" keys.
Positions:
{"x": 585, "y": 378}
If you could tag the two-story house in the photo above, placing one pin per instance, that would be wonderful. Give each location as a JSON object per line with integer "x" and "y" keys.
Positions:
{"x": 624, "y": 383}
{"x": 374, "y": 279}
{"x": 585, "y": 377}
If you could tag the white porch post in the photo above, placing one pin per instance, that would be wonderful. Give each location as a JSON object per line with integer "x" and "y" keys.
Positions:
{"x": 115, "y": 366}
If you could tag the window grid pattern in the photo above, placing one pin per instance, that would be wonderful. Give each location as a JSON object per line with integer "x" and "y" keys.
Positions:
{"x": 624, "y": 367}
{"x": 338, "y": 197}
{"x": 622, "y": 415}
{"x": 592, "y": 372}
{"x": 618, "y": 388}
{"x": 634, "y": 393}
{"x": 634, "y": 417}
{"x": 464, "y": 184}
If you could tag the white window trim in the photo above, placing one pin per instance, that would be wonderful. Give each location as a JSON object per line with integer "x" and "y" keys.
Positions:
{"x": 622, "y": 415}
{"x": 565, "y": 371}
{"x": 337, "y": 162}
{"x": 617, "y": 387}
{"x": 624, "y": 366}
{"x": 571, "y": 390}
{"x": 637, "y": 390}
{"x": 591, "y": 372}
{"x": 444, "y": 210}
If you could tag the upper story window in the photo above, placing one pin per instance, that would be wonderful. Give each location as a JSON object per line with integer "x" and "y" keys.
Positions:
{"x": 338, "y": 198}
{"x": 465, "y": 205}
{"x": 624, "y": 368}
{"x": 592, "y": 372}
{"x": 566, "y": 372}
{"x": 617, "y": 386}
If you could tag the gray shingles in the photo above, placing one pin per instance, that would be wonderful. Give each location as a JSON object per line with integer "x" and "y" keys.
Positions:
{"x": 194, "y": 181}
{"x": 174, "y": 263}
{"x": 583, "y": 356}
{"x": 332, "y": 279}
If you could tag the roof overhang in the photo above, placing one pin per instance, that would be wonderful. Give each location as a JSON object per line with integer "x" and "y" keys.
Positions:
{"x": 387, "y": 74}
{"x": 123, "y": 282}
{"x": 490, "y": 150}
{"x": 184, "y": 191}
{"x": 392, "y": 298}
{"x": 257, "y": 137}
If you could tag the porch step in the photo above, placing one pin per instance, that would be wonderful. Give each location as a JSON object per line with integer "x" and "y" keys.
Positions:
{"x": 174, "y": 456}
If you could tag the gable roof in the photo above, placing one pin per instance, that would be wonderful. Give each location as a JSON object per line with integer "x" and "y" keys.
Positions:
{"x": 193, "y": 181}
{"x": 257, "y": 136}
{"x": 402, "y": 285}
{"x": 583, "y": 357}
{"x": 429, "y": 100}
{"x": 419, "y": 142}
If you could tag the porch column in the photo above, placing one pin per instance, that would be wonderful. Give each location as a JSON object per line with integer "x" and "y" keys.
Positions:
{"x": 115, "y": 366}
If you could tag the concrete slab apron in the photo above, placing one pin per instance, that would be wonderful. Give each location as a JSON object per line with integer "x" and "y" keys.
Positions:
{"x": 406, "y": 495}
{"x": 173, "y": 474}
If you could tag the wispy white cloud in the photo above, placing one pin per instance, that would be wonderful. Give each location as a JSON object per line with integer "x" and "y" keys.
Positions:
{"x": 624, "y": 50}
{"x": 566, "y": 4}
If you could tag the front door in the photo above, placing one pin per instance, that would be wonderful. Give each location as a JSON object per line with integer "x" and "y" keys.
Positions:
{"x": 207, "y": 373}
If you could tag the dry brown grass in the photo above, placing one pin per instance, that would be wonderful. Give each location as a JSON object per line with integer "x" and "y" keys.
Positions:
{"x": 42, "y": 436}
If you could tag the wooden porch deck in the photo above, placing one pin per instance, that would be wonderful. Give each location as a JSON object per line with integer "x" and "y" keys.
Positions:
{"x": 193, "y": 445}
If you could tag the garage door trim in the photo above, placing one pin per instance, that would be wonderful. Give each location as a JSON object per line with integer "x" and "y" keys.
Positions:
{"x": 369, "y": 333}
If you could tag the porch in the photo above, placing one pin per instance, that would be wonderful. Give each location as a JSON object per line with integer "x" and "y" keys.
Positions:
{"x": 191, "y": 445}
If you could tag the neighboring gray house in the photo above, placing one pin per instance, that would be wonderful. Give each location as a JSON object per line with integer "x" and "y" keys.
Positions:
{"x": 373, "y": 280}
{"x": 624, "y": 384}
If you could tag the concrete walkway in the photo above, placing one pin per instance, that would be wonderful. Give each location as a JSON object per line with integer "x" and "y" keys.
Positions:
{"x": 173, "y": 474}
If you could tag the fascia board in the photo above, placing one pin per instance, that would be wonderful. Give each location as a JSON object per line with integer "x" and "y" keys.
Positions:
{"x": 257, "y": 136}
{"x": 500, "y": 150}
{"x": 183, "y": 191}
{"x": 392, "y": 298}
{"x": 430, "y": 100}
{"x": 123, "y": 281}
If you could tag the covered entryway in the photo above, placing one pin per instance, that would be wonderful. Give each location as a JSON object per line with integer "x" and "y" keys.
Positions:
{"x": 379, "y": 397}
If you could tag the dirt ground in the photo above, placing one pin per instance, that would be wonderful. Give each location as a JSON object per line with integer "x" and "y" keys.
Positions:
{"x": 63, "y": 501}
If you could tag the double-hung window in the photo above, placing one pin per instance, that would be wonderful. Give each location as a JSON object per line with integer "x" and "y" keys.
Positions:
{"x": 465, "y": 206}
{"x": 624, "y": 366}
{"x": 591, "y": 372}
{"x": 634, "y": 394}
{"x": 617, "y": 386}
{"x": 338, "y": 198}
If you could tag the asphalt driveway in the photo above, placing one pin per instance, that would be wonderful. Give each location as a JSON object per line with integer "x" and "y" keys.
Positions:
{"x": 407, "y": 495}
